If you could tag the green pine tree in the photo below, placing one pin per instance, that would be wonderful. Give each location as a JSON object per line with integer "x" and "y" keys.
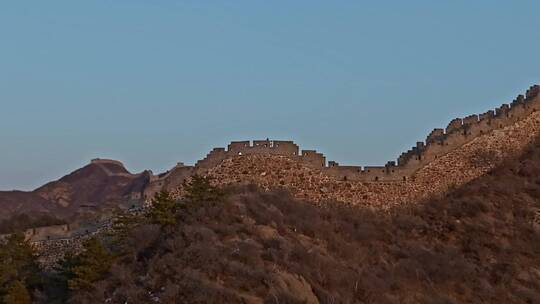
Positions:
{"x": 163, "y": 210}
{"x": 200, "y": 189}
{"x": 123, "y": 224}
{"x": 90, "y": 266}
{"x": 18, "y": 265}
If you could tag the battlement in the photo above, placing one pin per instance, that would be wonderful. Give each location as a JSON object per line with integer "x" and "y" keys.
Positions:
{"x": 488, "y": 115}
{"x": 263, "y": 146}
{"x": 462, "y": 130}
{"x": 440, "y": 141}
{"x": 113, "y": 167}
{"x": 313, "y": 158}
{"x": 273, "y": 147}
{"x": 47, "y": 233}
{"x": 435, "y": 135}
{"x": 532, "y": 92}
{"x": 106, "y": 162}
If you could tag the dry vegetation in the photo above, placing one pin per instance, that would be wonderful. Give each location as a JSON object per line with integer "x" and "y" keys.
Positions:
{"x": 477, "y": 244}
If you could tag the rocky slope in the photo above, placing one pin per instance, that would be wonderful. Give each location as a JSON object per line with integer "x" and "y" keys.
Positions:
{"x": 480, "y": 243}
{"x": 91, "y": 189}
{"x": 449, "y": 171}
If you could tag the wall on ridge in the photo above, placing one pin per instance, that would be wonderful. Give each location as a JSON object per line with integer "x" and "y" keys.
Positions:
{"x": 313, "y": 158}
{"x": 47, "y": 233}
{"x": 441, "y": 141}
{"x": 438, "y": 143}
{"x": 167, "y": 181}
{"x": 462, "y": 130}
{"x": 267, "y": 146}
{"x": 273, "y": 147}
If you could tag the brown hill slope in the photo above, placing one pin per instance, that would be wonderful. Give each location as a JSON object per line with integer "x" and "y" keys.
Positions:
{"x": 94, "y": 187}
{"x": 478, "y": 244}
{"x": 14, "y": 202}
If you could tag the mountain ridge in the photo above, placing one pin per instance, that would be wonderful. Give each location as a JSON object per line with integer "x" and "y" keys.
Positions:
{"x": 106, "y": 184}
{"x": 88, "y": 187}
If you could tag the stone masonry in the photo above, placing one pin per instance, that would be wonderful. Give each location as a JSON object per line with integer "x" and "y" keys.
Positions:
{"x": 438, "y": 143}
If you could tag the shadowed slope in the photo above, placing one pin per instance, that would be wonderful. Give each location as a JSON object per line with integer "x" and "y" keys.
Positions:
{"x": 477, "y": 244}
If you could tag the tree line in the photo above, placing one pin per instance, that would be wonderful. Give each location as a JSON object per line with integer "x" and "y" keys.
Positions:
{"x": 23, "y": 280}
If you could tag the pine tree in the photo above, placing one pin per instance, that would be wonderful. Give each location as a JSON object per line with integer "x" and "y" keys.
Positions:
{"x": 163, "y": 210}
{"x": 123, "y": 224}
{"x": 90, "y": 266}
{"x": 200, "y": 189}
{"x": 18, "y": 266}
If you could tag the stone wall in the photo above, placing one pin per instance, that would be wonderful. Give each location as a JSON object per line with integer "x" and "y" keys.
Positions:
{"x": 169, "y": 180}
{"x": 47, "y": 233}
{"x": 467, "y": 148}
{"x": 258, "y": 147}
{"x": 312, "y": 158}
{"x": 267, "y": 146}
{"x": 452, "y": 170}
{"x": 439, "y": 142}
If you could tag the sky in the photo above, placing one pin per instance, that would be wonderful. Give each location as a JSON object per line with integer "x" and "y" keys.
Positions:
{"x": 153, "y": 83}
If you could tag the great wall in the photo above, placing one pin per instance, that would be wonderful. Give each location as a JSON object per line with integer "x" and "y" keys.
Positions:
{"x": 52, "y": 242}
{"x": 439, "y": 142}
{"x": 466, "y": 149}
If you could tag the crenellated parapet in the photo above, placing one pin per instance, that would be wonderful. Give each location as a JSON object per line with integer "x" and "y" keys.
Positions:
{"x": 435, "y": 135}
{"x": 277, "y": 147}
{"x": 273, "y": 147}
{"x": 462, "y": 130}
{"x": 169, "y": 180}
{"x": 439, "y": 142}
{"x": 313, "y": 158}
{"x": 103, "y": 161}
{"x": 47, "y": 233}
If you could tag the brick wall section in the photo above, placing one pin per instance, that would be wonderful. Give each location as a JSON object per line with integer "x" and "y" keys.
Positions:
{"x": 438, "y": 143}
{"x": 453, "y": 169}
{"x": 406, "y": 172}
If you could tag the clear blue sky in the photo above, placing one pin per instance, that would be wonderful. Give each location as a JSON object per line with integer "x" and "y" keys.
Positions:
{"x": 155, "y": 82}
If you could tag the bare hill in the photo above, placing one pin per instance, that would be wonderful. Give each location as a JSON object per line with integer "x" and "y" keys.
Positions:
{"x": 480, "y": 243}
{"x": 99, "y": 185}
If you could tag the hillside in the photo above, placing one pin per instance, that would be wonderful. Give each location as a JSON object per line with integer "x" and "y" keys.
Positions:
{"x": 479, "y": 243}
{"x": 457, "y": 222}
{"x": 97, "y": 186}
{"x": 451, "y": 170}
{"x": 448, "y": 158}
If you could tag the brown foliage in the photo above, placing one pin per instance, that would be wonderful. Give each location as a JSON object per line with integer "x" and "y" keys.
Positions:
{"x": 475, "y": 245}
